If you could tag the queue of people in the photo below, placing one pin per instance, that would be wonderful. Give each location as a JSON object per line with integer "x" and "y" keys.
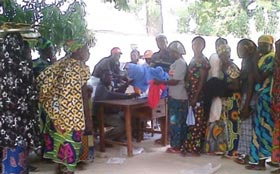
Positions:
{"x": 234, "y": 111}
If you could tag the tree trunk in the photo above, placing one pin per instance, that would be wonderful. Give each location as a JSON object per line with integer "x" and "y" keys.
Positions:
{"x": 154, "y": 17}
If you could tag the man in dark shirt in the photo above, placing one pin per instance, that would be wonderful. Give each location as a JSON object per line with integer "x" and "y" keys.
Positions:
{"x": 162, "y": 57}
{"x": 112, "y": 63}
{"x": 113, "y": 117}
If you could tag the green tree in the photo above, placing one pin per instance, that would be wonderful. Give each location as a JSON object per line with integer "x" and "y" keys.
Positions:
{"x": 224, "y": 17}
{"x": 154, "y": 18}
{"x": 50, "y": 20}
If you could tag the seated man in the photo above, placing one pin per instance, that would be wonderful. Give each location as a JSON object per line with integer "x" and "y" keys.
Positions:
{"x": 113, "y": 117}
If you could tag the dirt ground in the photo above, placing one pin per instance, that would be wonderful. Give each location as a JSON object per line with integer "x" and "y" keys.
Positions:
{"x": 154, "y": 160}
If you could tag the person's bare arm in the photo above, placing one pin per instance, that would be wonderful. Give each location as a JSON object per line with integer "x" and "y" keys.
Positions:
{"x": 245, "y": 110}
{"x": 170, "y": 82}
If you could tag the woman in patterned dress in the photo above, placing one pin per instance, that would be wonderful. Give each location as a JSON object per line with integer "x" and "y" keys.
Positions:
{"x": 275, "y": 106}
{"x": 197, "y": 75}
{"x": 232, "y": 101}
{"x": 18, "y": 104}
{"x": 62, "y": 95}
{"x": 246, "y": 50}
{"x": 215, "y": 139}
{"x": 263, "y": 124}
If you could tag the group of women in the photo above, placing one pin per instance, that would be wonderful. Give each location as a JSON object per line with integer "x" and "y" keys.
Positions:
{"x": 61, "y": 93}
{"x": 231, "y": 106}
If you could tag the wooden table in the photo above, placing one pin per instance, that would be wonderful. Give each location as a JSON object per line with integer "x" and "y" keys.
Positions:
{"x": 127, "y": 105}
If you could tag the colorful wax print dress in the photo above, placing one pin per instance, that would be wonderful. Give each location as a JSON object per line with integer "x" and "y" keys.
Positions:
{"x": 196, "y": 133}
{"x": 18, "y": 105}
{"x": 263, "y": 123}
{"x": 275, "y": 156}
{"x": 61, "y": 97}
{"x": 231, "y": 111}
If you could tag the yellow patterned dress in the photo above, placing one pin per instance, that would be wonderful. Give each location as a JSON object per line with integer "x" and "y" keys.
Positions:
{"x": 60, "y": 87}
{"x": 231, "y": 111}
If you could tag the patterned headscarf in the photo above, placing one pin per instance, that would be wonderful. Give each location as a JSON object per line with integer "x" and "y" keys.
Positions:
{"x": 266, "y": 39}
{"x": 75, "y": 44}
{"x": 223, "y": 49}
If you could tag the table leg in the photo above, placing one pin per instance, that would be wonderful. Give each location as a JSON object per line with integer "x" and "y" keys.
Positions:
{"x": 128, "y": 130}
{"x": 101, "y": 128}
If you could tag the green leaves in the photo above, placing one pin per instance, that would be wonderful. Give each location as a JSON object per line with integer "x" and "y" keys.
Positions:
{"x": 224, "y": 17}
{"x": 50, "y": 20}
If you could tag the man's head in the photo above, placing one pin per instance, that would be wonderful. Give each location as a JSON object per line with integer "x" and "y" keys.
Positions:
{"x": 147, "y": 56}
{"x": 116, "y": 53}
{"x": 106, "y": 77}
{"x": 161, "y": 41}
{"x": 265, "y": 44}
{"x": 134, "y": 56}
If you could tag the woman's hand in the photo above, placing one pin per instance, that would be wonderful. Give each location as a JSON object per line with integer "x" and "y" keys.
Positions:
{"x": 157, "y": 82}
{"x": 245, "y": 113}
{"x": 193, "y": 102}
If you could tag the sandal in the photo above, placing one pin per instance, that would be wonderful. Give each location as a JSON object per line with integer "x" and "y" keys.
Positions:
{"x": 272, "y": 164}
{"x": 242, "y": 160}
{"x": 173, "y": 150}
{"x": 255, "y": 167}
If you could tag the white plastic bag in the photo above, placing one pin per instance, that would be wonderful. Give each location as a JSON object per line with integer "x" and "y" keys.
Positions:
{"x": 93, "y": 82}
{"x": 115, "y": 160}
{"x": 135, "y": 151}
{"x": 215, "y": 110}
{"x": 190, "y": 117}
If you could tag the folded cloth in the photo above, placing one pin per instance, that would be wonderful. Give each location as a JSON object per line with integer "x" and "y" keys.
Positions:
{"x": 141, "y": 75}
{"x": 154, "y": 94}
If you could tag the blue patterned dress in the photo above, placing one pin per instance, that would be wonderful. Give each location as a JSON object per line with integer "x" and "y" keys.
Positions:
{"x": 263, "y": 123}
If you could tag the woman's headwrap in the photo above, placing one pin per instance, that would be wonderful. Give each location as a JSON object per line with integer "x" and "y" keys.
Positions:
{"x": 74, "y": 45}
{"x": 223, "y": 49}
{"x": 43, "y": 43}
{"x": 266, "y": 39}
{"x": 178, "y": 47}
